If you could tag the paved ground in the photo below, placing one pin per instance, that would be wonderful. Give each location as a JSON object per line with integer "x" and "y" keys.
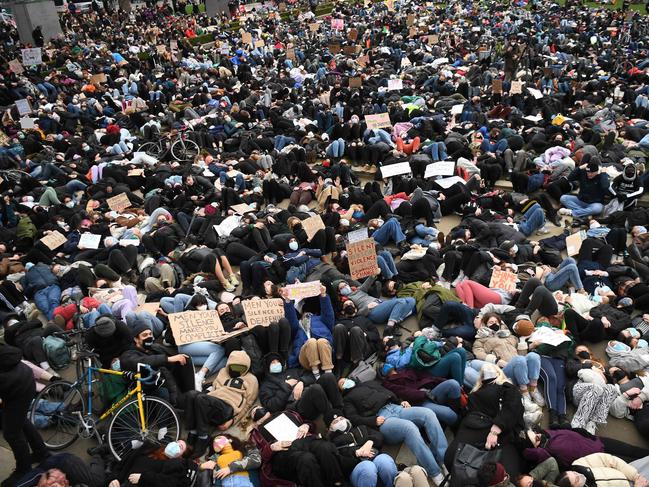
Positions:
{"x": 618, "y": 429}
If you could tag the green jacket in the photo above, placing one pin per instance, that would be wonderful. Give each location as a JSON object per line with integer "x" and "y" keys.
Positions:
{"x": 25, "y": 228}
{"x": 420, "y": 293}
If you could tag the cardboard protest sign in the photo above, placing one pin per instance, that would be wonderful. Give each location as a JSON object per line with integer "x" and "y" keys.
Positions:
{"x": 196, "y": 326}
{"x": 242, "y": 208}
{"x": 23, "y": 107}
{"x": 378, "y": 121}
{"x": 503, "y": 280}
{"x": 356, "y": 82}
{"x": 54, "y": 240}
{"x": 118, "y": 203}
{"x": 16, "y": 67}
{"x": 356, "y": 235}
{"x": 313, "y": 27}
{"x": 535, "y": 93}
{"x": 442, "y": 168}
{"x": 262, "y": 311}
{"x": 573, "y": 243}
{"x": 363, "y": 61}
{"x": 334, "y": 48}
{"x": 410, "y": 19}
{"x": 149, "y": 307}
{"x": 350, "y": 50}
{"x": 303, "y": 290}
{"x": 246, "y": 38}
{"x": 282, "y": 7}
{"x": 433, "y": 39}
{"x": 395, "y": 169}
{"x": 311, "y": 226}
{"x": 517, "y": 88}
{"x": 89, "y": 240}
{"x": 395, "y": 84}
{"x": 389, "y": 4}
{"x": 362, "y": 258}
{"x": 136, "y": 172}
{"x": 413, "y": 31}
{"x": 259, "y": 43}
{"x": 352, "y": 34}
{"x": 173, "y": 45}
{"x": 161, "y": 49}
{"x": 32, "y": 56}
{"x": 497, "y": 86}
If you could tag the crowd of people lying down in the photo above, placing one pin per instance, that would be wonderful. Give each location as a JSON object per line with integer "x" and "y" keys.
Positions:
{"x": 155, "y": 164}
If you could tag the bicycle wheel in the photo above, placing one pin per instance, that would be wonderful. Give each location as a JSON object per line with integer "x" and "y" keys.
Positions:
{"x": 153, "y": 149}
{"x": 162, "y": 425}
{"x": 55, "y": 411}
{"x": 184, "y": 150}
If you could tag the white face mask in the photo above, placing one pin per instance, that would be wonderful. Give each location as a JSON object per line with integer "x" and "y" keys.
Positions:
{"x": 201, "y": 307}
{"x": 293, "y": 245}
{"x": 581, "y": 479}
{"x": 341, "y": 425}
{"x": 70, "y": 204}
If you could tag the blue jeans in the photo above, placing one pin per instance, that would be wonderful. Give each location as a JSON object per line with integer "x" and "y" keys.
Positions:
{"x": 381, "y": 135}
{"x": 73, "y": 186}
{"x": 472, "y": 372}
{"x": 522, "y": 369}
{"x": 402, "y": 425}
{"x": 533, "y": 219}
{"x": 282, "y": 141}
{"x": 207, "y": 354}
{"x": 368, "y": 472}
{"x": 437, "y": 151}
{"x": 422, "y": 232}
{"x": 48, "y": 298}
{"x": 154, "y": 323}
{"x": 579, "y": 208}
{"x": 389, "y": 231}
{"x": 90, "y": 317}
{"x": 386, "y": 264}
{"x": 236, "y": 481}
{"x": 444, "y": 392}
{"x": 336, "y": 148}
{"x": 567, "y": 272}
{"x": 395, "y": 309}
{"x": 451, "y": 365}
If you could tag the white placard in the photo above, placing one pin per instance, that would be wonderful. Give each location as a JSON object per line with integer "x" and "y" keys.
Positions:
{"x": 23, "y": 107}
{"x": 27, "y": 123}
{"x": 457, "y": 109}
{"x": 32, "y": 57}
{"x": 89, "y": 240}
{"x": 535, "y": 93}
{"x": 395, "y": 84}
{"x": 548, "y": 336}
{"x": 226, "y": 226}
{"x": 356, "y": 235}
{"x": 441, "y": 168}
{"x": 395, "y": 169}
{"x": 282, "y": 428}
{"x": 448, "y": 182}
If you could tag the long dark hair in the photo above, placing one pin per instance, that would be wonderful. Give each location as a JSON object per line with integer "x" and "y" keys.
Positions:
{"x": 237, "y": 444}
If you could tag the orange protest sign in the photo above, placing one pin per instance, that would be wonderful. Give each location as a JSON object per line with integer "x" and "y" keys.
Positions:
{"x": 503, "y": 280}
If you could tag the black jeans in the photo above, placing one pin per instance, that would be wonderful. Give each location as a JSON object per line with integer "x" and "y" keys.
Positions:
{"x": 535, "y": 296}
{"x": 18, "y": 430}
{"x": 203, "y": 411}
{"x": 236, "y": 253}
{"x": 350, "y": 344}
{"x": 274, "y": 338}
{"x": 320, "y": 397}
{"x": 309, "y": 461}
{"x": 597, "y": 250}
{"x": 582, "y": 329}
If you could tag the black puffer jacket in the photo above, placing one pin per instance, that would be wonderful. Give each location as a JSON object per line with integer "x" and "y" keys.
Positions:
{"x": 16, "y": 378}
{"x": 363, "y": 402}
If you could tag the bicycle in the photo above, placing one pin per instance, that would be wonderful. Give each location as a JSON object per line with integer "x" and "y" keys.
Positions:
{"x": 181, "y": 147}
{"x": 63, "y": 412}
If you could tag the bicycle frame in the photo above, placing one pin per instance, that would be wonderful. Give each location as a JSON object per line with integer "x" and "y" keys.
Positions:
{"x": 136, "y": 390}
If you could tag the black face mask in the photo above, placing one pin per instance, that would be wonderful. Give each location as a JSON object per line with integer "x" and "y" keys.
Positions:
{"x": 227, "y": 317}
{"x": 618, "y": 375}
{"x": 583, "y": 354}
{"x": 495, "y": 327}
{"x": 148, "y": 343}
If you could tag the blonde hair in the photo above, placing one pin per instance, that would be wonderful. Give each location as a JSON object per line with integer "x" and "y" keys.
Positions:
{"x": 500, "y": 379}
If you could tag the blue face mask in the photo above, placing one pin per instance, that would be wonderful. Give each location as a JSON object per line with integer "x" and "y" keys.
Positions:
{"x": 275, "y": 368}
{"x": 115, "y": 365}
{"x": 642, "y": 343}
{"x": 346, "y": 291}
{"x": 293, "y": 245}
{"x": 348, "y": 384}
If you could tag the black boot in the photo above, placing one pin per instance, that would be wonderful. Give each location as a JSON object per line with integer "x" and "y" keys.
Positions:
{"x": 391, "y": 330}
{"x": 191, "y": 439}
{"x": 554, "y": 419}
{"x": 564, "y": 422}
{"x": 200, "y": 447}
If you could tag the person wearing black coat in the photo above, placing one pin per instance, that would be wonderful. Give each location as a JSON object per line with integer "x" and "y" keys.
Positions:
{"x": 17, "y": 390}
{"x": 27, "y": 335}
{"x": 109, "y": 338}
{"x": 298, "y": 390}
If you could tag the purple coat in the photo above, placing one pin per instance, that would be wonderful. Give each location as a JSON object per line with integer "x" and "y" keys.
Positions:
{"x": 565, "y": 446}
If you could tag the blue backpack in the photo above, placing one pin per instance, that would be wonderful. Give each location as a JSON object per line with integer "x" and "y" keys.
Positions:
{"x": 57, "y": 352}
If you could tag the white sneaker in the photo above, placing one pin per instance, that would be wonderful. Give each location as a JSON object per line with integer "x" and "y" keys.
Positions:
{"x": 529, "y": 405}
{"x": 460, "y": 277}
{"x": 198, "y": 381}
{"x": 591, "y": 427}
{"x": 565, "y": 212}
{"x": 444, "y": 283}
{"x": 542, "y": 231}
{"x": 438, "y": 479}
{"x": 537, "y": 397}
{"x": 532, "y": 419}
